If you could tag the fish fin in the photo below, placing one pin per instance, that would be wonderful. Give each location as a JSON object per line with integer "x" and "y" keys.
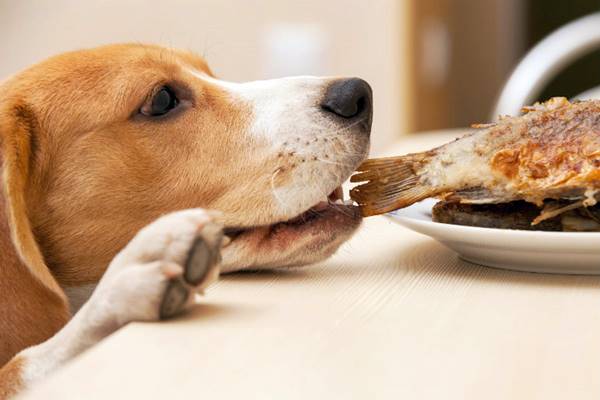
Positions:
{"x": 548, "y": 105}
{"x": 554, "y": 209}
{"x": 474, "y": 195}
{"x": 391, "y": 183}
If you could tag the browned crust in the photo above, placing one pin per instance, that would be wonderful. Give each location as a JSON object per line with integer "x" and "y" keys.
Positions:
{"x": 556, "y": 145}
{"x": 506, "y": 161}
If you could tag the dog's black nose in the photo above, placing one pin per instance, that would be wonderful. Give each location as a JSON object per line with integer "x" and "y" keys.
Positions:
{"x": 348, "y": 98}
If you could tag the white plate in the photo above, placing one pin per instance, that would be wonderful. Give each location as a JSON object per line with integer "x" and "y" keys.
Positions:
{"x": 533, "y": 251}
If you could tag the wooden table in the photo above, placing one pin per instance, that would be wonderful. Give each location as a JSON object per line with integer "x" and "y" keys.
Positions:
{"x": 394, "y": 315}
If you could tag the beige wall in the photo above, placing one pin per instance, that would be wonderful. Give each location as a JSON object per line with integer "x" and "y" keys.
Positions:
{"x": 243, "y": 40}
{"x": 464, "y": 50}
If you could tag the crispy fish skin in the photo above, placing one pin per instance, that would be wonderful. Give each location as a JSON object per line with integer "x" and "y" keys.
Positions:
{"x": 550, "y": 152}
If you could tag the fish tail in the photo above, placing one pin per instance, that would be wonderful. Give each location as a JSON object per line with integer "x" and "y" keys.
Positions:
{"x": 391, "y": 183}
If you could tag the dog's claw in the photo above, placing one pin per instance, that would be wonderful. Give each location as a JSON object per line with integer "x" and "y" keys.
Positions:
{"x": 200, "y": 261}
{"x": 174, "y": 299}
{"x": 176, "y": 256}
{"x": 203, "y": 257}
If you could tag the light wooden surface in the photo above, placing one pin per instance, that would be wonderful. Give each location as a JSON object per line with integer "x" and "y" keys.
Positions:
{"x": 394, "y": 315}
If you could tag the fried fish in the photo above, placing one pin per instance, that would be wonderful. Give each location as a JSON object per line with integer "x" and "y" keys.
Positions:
{"x": 516, "y": 215}
{"x": 548, "y": 157}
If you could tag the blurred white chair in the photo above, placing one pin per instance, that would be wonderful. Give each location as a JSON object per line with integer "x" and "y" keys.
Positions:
{"x": 546, "y": 60}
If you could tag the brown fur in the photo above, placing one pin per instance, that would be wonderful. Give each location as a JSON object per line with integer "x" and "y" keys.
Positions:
{"x": 81, "y": 163}
{"x": 17, "y": 128}
{"x": 29, "y": 311}
{"x": 50, "y": 203}
{"x": 113, "y": 152}
{"x": 10, "y": 375}
{"x": 33, "y": 307}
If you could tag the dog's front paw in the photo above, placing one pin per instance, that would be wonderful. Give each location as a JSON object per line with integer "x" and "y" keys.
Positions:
{"x": 157, "y": 273}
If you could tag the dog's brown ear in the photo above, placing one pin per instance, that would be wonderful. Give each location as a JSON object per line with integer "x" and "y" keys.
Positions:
{"x": 18, "y": 125}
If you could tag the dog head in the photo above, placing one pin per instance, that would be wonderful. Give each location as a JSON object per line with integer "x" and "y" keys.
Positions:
{"x": 118, "y": 135}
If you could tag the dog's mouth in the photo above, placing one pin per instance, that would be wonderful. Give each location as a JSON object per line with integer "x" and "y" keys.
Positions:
{"x": 328, "y": 215}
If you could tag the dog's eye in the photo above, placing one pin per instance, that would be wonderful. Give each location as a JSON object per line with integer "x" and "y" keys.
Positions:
{"x": 164, "y": 100}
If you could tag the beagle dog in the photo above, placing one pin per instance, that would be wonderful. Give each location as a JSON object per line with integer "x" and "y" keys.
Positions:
{"x": 100, "y": 148}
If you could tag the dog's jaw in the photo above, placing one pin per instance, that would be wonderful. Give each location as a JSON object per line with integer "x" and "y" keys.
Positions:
{"x": 310, "y": 237}
{"x": 289, "y": 246}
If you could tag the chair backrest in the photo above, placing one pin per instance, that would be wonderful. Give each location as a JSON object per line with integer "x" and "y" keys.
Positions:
{"x": 545, "y": 61}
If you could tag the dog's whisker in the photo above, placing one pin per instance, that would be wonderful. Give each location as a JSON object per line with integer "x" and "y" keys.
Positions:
{"x": 274, "y": 191}
{"x": 345, "y": 165}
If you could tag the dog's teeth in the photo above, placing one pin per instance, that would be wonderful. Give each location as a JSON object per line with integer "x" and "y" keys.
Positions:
{"x": 339, "y": 193}
{"x": 339, "y": 202}
{"x": 349, "y": 202}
